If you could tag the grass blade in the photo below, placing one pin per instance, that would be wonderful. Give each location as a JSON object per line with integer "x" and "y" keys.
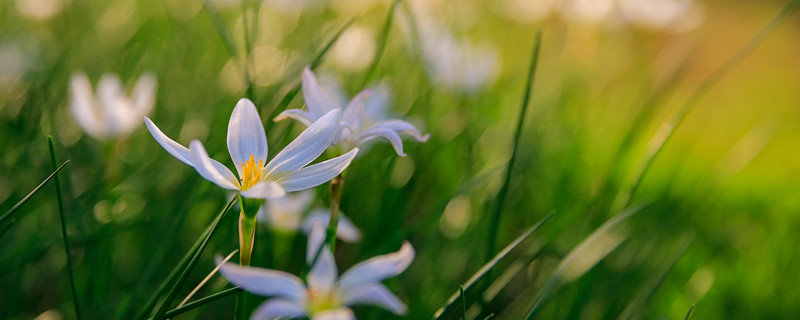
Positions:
{"x": 567, "y": 269}
{"x": 463, "y": 303}
{"x": 689, "y": 313}
{"x": 634, "y": 308}
{"x": 494, "y": 223}
{"x": 382, "y": 40}
{"x": 205, "y": 280}
{"x": 161, "y": 311}
{"x": 185, "y": 261}
{"x": 668, "y": 128}
{"x": 203, "y": 301}
{"x": 67, "y": 250}
{"x": 452, "y": 303}
{"x": 19, "y": 204}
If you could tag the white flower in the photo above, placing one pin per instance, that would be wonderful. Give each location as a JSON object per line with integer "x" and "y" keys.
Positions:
{"x": 327, "y": 296}
{"x": 111, "y": 113}
{"x": 360, "y": 125}
{"x": 287, "y": 214}
{"x": 247, "y": 143}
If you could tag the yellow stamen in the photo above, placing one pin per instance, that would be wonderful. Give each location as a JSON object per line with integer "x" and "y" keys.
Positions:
{"x": 251, "y": 173}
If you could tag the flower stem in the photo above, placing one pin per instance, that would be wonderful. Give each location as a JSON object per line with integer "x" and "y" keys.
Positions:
{"x": 247, "y": 237}
{"x": 336, "y": 196}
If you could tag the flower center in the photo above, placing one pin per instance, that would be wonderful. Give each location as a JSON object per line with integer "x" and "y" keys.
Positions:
{"x": 251, "y": 173}
{"x": 319, "y": 301}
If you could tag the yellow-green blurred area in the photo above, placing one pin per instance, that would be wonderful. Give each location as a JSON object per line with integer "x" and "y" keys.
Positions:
{"x": 608, "y": 89}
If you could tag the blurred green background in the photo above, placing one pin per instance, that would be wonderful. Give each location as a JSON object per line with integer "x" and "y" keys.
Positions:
{"x": 727, "y": 179}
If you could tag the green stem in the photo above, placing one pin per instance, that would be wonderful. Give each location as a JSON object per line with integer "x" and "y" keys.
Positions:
{"x": 336, "y": 196}
{"x": 54, "y": 165}
{"x": 247, "y": 237}
{"x": 494, "y": 223}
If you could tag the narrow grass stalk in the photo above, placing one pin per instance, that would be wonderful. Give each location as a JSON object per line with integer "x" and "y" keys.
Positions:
{"x": 292, "y": 93}
{"x": 382, "y": 40}
{"x": 494, "y": 223}
{"x": 205, "y": 280}
{"x": 19, "y": 204}
{"x": 337, "y": 184}
{"x": 452, "y": 303}
{"x": 603, "y": 234}
{"x": 668, "y": 128}
{"x": 202, "y": 301}
{"x": 198, "y": 246}
{"x": 463, "y": 303}
{"x": 222, "y": 29}
{"x": 689, "y": 313}
{"x": 248, "y": 59}
{"x": 67, "y": 250}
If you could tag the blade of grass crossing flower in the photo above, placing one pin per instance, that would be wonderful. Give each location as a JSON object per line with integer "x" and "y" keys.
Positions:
{"x": 208, "y": 277}
{"x": 162, "y": 309}
{"x": 67, "y": 250}
{"x": 634, "y": 308}
{"x": 382, "y": 40}
{"x": 452, "y": 303}
{"x": 196, "y": 247}
{"x": 494, "y": 223}
{"x": 19, "y": 204}
{"x": 587, "y": 254}
{"x": 668, "y": 128}
{"x": 689, "y": 313}
{"x": 292, "y": 93}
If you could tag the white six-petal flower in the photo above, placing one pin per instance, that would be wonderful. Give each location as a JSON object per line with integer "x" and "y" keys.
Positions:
{"x": 360, "y": 127}
{"x": 288, "y": 214}
{"x": 247, "y": 143}
{"x": 111, "y": 113}
{"x": 327, "y": 296}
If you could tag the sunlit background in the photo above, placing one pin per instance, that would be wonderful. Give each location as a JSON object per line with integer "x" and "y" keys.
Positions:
{"x": 719, "y": 204}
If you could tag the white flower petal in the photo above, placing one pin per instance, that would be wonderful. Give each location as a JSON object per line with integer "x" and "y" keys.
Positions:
{"x": 81, "y": 104}
{"x": 354, "y": 114}
{"x": 374, "y": 294}
{"x": 179, "y": 151}
{"x": 345, "y": 229}
{"x": 265, "y": 282}
{"x": 307, "y": 146}
{"x": 316, "y": 100}
{"x": 246, "y": 135}
{"x": 324, "y": 273}
{"x": 385, "y": 133}
{"x": 376, "y": 269}
{"x": 305, "y": 117}
{"x": 144, "y": 93}
{"x": 404, "y": 127}
{"x": 317, "y": 174}
{"x": 264, "y": 190}
{"x": 278, "y": 309}
{"x": 316, "y": 237}
{"x": 109, "y": 90}
{"x": 335, "y": 314}
{"x": 206, "y": 168}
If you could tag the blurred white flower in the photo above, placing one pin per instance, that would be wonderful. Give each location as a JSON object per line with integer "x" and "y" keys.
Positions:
{"x": 111, "y": 113}
{"x": 360, "y": 124}
{"x": 589, "y": 11}
{"x": 452, "y": 62}
{"x": 41, "y": 10}
{"x": 247, "y": 144}
{"x": 287, "y": 214}
{"x": 327, "y": 296}
{"x": 355, "y": 49}
{"x": 677, "y": 15}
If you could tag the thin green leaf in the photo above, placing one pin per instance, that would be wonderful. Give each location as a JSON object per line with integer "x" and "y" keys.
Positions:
{"x": 382, "y": 40}
{"x": 67, "y": 251}
{"x": 183, "y": 264}
{"x": 452, "y": 303}
{"x": 494, "y": 223}
{"x": 19, "y": 204}
{"x": 634, "y": 308}
{"x": 567, "y": 268}
{"x": 463, "y": 302}
{"x": 202, "y": 301}
{"x": 668, "y": 128}
{"x": 689, "y": 313}
{"x": 162, "y": 310}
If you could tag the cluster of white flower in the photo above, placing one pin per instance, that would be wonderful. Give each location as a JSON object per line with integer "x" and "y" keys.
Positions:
{"x": 343, "y": 128}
